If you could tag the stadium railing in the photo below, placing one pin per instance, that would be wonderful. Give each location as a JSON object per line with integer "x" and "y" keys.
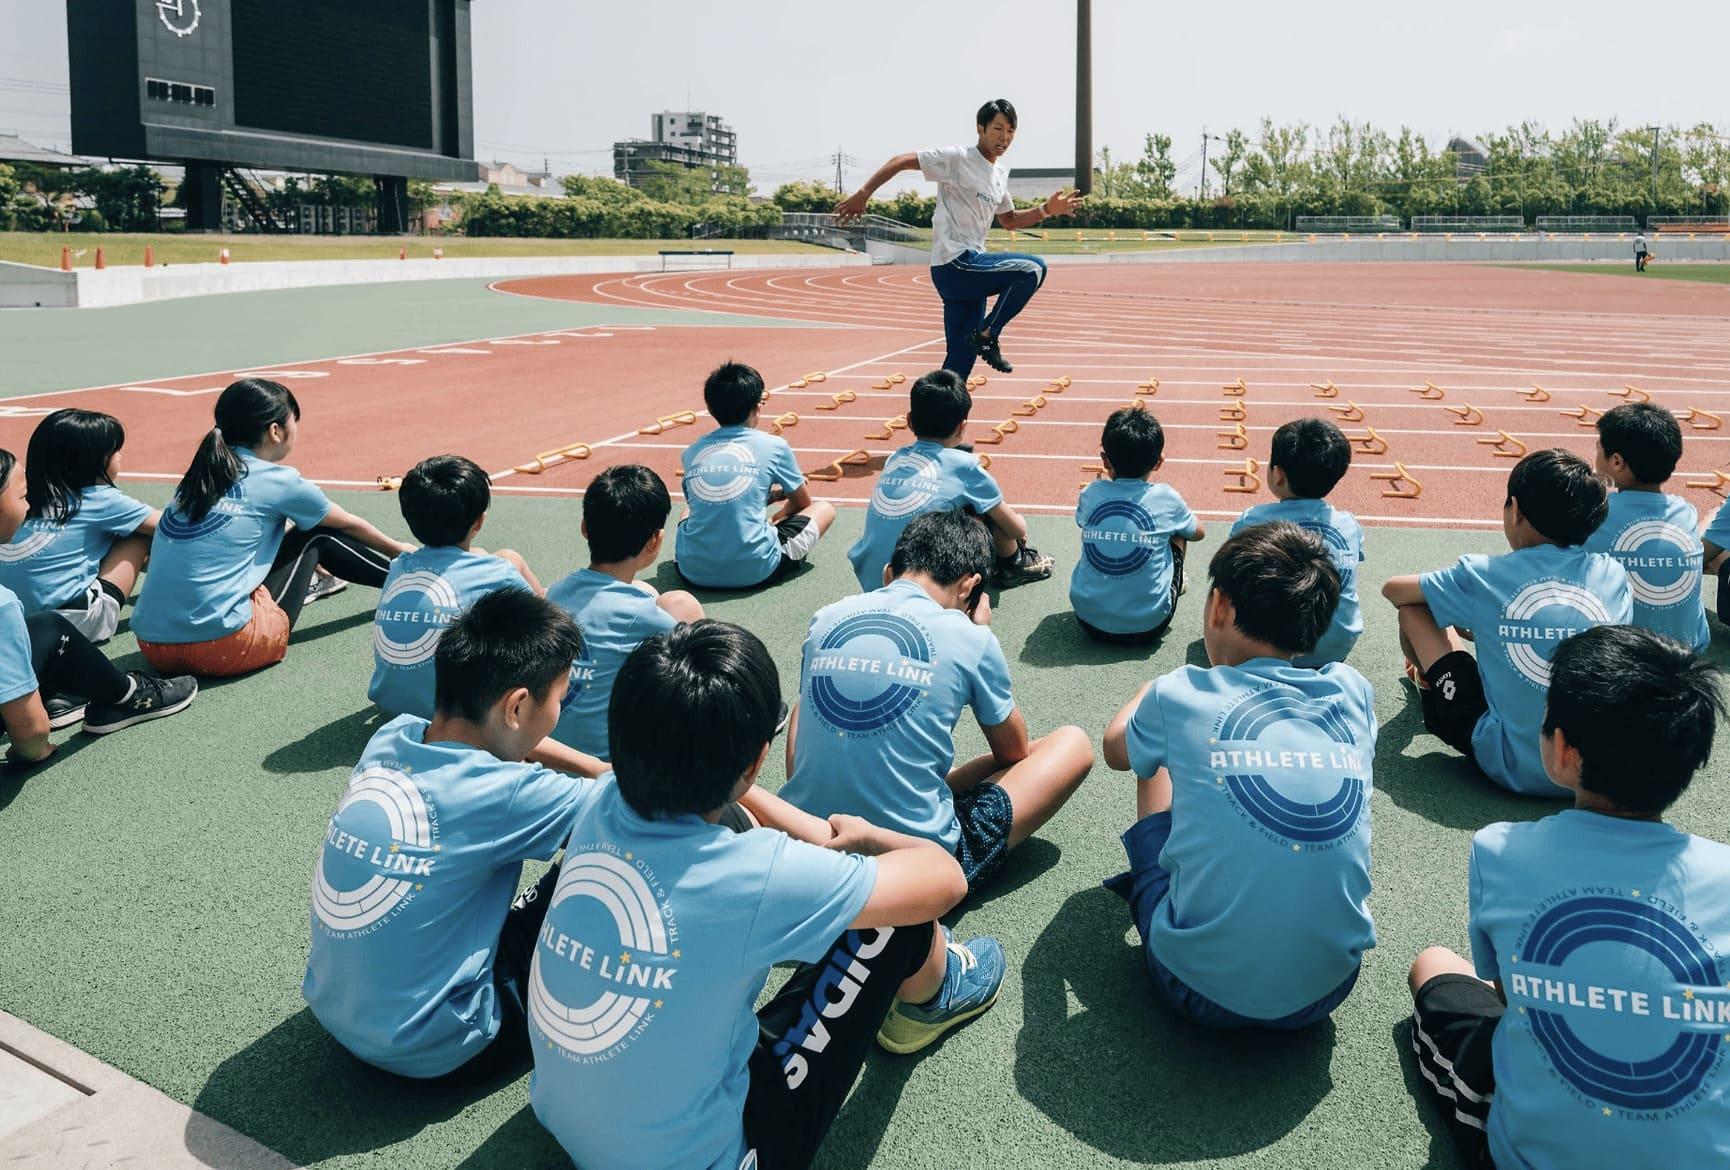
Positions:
{"x": 1578, "y": 225}
{"x": 1347, "y": 224}
{"x": 1704, "y": 224}
{"x": 1468, "y": 224}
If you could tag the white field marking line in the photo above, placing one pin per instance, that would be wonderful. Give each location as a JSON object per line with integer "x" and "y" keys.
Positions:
{"x": 1346, "y": 392}
{"x": 618, "y": 440}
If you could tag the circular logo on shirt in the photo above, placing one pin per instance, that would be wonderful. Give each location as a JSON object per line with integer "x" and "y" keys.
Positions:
{"x": 412, "y": 614}
{"x": 1118, "y": 538}
{"x": 908, "y": 485}
{"x": 602, "y": 966}
{"x": 1541, "y": 617}
{"x": 1627, "y": 1004}
{"x": 381, "y": 844}
{"x": 1284, "y": 782}
{"x": 1663, "y": 568}
{"x": 30, "y": 540}
{"x": 175, "y": 526}
{"x": 868, "y": 671}
{"x": 724, "y": 472}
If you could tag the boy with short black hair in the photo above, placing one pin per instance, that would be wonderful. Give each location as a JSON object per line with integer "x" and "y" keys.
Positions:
{"x": 624, "y": 518}
{"x": 885, "y": 676}
{"x": 664, "y": 924}
{"x": 1309, "y": 457}
{"x": 1518, "y": 606}
{"x": 1605, "y": 929}
{"x": 1250, "y": 856}
{"x": 1652, "y": 533}
{"x": 727, "y": 540}
{"x": 419, "y": 958}
{"x": 445, "y": 500}
{"x": 1134, "y": 534}
{"x": 937, "y": 472}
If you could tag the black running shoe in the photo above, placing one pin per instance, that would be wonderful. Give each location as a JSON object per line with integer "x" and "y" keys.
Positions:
{"x": 1024, "y": 566}
{"x": 151, "y": 698}
{"x": 985, "y": 346}
{"x": 64, "y": 710}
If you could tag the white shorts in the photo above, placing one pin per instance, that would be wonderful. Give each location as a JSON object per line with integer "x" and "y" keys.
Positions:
{"x": 100, "y": 615}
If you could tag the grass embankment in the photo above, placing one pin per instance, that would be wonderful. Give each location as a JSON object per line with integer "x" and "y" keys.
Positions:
{"x": 1675, "y": 270}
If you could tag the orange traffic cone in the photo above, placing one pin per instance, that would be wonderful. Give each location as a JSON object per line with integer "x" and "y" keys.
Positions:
{"x": 65, "y": 259}
{"x": 224, "y": 256}
{"x": 100, "y": 262}
{"x": 149, "y": 256}
{"x": 438, "y": 253}
{"x": 402, "y": 253}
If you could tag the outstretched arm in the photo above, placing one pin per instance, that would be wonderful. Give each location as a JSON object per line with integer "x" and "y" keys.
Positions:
{"x": 1061, "y": 203}
{"x": 853, "y": 206}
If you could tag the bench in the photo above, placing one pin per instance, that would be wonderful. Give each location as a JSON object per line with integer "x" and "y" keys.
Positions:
{"x": 704, "y": 253}
{"x": 1718, "y": 227}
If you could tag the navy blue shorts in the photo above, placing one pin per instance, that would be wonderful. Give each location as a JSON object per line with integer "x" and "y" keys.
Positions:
{"x": 986, "y": 817}
{"x": 1149, "y": 885}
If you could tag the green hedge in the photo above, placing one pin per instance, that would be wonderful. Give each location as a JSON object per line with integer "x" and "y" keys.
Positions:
{"x": 493, "y": 214}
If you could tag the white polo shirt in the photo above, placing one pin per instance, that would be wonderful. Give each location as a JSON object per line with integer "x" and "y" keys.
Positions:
{"x": 971, "y": 193}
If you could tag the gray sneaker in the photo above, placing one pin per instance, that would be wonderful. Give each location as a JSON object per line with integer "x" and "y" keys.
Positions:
{"x": 323, "y": 585}
{"x": 151, "y": 698}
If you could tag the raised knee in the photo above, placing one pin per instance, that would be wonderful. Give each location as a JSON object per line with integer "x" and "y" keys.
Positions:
{"x": 681, "y": 605}
{"x": 1075, "y": 744}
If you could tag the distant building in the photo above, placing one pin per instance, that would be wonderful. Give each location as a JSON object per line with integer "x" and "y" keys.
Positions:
{"x": 15, "y": 149}
{"x": 1038, "y": 182}
{"x": 691, "y": 139}
{"x": 1470, "y": 158}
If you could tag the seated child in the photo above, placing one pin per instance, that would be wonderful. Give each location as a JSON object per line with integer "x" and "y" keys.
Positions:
{"x": 624, "y": 515}
{"x": 1715, "y": 541}
{"x": 445, "y": 500}
{"x": 46, "y": 648}
{"x": 664, "y": 923}
{"x": 84, "y": 543}
{"x": 1518, "y": 606}
{"x": 1604, "y": 929}
{"x": 884, "y": 679}
{"x": 419, "y": 958}
{"x": 227, "y": 579}
{"x": 1653, "y": 534}
{"x": 1134, "y": 534}
{"x": 937, "y": 473}
{"x": 727, "y": 540}
{"x": 1310, "y": 456}
{"x": 1250, "y": 855}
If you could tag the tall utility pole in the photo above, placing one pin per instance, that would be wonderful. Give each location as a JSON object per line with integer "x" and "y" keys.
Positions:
{"x": 1204, "y": 162}
{"x": 1656, "y": 131}
{"x": 838, "y": 175}
{"x": 1084, "y": 96}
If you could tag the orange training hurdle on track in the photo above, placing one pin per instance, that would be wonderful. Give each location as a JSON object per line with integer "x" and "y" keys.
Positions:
{"x": 1583, "y": 415}
{"x": 683, "y": 418}
{"x": 1631, "y": 393}
{"x": 976, "y": 381}
{"x": 1236, "y": 439}
{"x": 1429, "y": 390}
{"x": 1350, "y": 412}
{"x": 1470, "y": 416}
{"x": 783, "y": 422}
{"x": 1694, "y": 414}
{"x": 1399, "y": 475}
{"x": 1369, "y": 443}
{"x": 836, "y": 402}
{"x": 1325, "y": 389}
{"x": 548, "y": 459}
{"x": 834, "y": 470}
{"x": 1236, "y": 390}
{"x": 889, "y": 427}
{"x": 1536, "y": 394}
{"x": 1248, "y": 482}
{"x": 1233, "y": 412}
{"x": 1149, "y": 387}
{"x": 1717, "y": 483}
{"x": 1505, "y": 446}
{"x": 389, "y": 483}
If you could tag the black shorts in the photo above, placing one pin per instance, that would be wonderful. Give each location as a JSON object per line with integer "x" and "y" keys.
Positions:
{"x": 986, "y": 818}
{"x": 1454, "y": 1018}
{"x": 1454, "y": 701}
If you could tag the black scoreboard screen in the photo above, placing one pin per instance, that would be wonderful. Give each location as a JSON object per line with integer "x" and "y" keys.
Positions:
{"x": 355, "y": 69}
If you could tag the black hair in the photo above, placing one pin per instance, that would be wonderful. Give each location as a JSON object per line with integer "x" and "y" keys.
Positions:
{"x": 1641, "y": 710}
{"x": 7, "y": 462}
{"x": 622, "y": 510}
{"x": 69, "y": 451}
{"x": 937, "y": 404}
{"x": 1314, "y": 455}
{"x": 509, "y": 638}
{"x": 993, "y": 108}
{"x": 245, "y": 412}
{"x": 945, "y": 546}
{"x": 1560, "y": 494}
{"x": 442, "y": 497}
{"x": 1133, "y": 441}
{"x": 1646, "y": 436}
{"x": 691, "y": 711}
{"x": 1281, "y": 582}
{"x": 732, "y": 392}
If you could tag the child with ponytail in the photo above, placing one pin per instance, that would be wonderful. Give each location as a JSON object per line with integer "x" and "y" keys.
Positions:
{"x": 227, "y": 578}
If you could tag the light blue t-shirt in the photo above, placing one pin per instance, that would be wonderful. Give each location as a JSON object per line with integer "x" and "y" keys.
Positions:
{"x": 924, "y": 476}
{"x": 1520, "y": 606}
{"x": 1269, "y": 853}
{"x": 1122, "y": 582}
{"x": 1718, "y": 529}
{"x": 1344, "y": 538}
{"x": 726, "y": 541}
{"x": 1654, "y": 536}
{"x": 17, "y": 675}
{"x": 49, "y": 565}
{"x": 201, "y": 578}
{"x": 1611, "y": 939}
{"x": 426, "y": 590}
{"x": 657, "y": 942}
{"x": 615, "y": 619}
{"x": 882, "y": 684}
{"x": 419, "y": 866}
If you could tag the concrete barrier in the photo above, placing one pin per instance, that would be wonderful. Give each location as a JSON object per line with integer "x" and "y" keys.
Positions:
{"x": 27, "y": 286}
{"x": 1528, "y": 249}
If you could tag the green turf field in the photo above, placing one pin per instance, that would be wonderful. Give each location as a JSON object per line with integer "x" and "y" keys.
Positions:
{"x": 158, "y": 890}
{"x": 1657, "y": 269}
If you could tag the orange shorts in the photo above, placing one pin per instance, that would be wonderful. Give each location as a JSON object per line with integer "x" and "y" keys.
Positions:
{"x": 261, "y": 642}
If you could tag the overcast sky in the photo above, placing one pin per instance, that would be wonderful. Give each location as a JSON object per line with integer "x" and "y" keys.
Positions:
{"x": 565, "y": 78}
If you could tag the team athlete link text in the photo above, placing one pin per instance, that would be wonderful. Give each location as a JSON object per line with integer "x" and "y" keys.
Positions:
{"x": 606, "y": 965}
{"x": 378, "y": 856}
{"x": 899, "y": 669}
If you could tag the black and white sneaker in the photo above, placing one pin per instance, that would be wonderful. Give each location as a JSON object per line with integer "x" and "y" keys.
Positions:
{"x": 986, "y": 347}
{"x": 64, "y": 711}
{"x": 1024, "y": 566}
{"x": 323, "y": 585}
{"x": 151, "y": 698}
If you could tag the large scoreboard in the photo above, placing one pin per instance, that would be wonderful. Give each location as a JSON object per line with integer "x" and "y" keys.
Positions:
{"x": 365, "y": 87}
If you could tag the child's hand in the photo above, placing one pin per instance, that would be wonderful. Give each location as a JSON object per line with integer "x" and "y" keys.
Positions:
{"x": 981, "y": 611}
{"x": 855, "y": 835}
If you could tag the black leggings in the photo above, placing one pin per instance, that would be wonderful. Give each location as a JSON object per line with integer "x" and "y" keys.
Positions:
{"x": 304, "y": 550}
{"x": 68, "y": 663}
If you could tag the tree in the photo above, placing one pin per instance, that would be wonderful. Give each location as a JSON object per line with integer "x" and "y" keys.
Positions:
{"x": 1229, "y": 160}
{"x": 1155, "y": 172}
{"x": 666, "y": 182}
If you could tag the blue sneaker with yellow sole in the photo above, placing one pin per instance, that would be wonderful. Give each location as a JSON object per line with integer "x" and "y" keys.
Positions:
{"x": 970, "y": 986}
